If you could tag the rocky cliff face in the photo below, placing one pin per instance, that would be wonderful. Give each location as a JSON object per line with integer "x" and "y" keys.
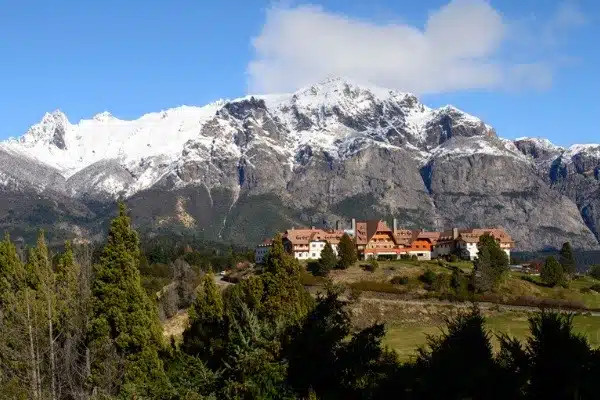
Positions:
{"x": 241, "y": 169}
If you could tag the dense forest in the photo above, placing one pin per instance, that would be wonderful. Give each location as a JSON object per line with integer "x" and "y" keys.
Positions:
{"x": 85, "y": 324}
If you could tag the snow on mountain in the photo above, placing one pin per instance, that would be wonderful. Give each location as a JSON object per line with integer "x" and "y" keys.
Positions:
{"x": 337, "y": 116}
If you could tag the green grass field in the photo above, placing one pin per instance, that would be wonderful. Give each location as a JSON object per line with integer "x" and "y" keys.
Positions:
{"x": 406, "y": 338}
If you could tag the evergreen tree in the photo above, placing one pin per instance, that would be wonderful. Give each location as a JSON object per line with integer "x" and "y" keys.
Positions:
{"x": 283, "y": 295}
{"x": 552, "y": 272}
{"x": 124, "y": 332}
{"x": 567, "y": 259}
{"x": 461, "y": 358}
{"x": 491, "y": 263}
{"x": 206, "y": 329}
{"x": 561, "y": 361}
{"x": 346, "y": 252}
{"x": 328, "y": 259}
{"x": 17, "y": 364}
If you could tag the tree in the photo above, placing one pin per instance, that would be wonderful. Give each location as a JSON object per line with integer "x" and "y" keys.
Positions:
{"x": 491, "y": 263}
{"x": 594, "y": 272}
{"x": 567, "y": 259}
{"x": 203, "y": 338}
{"x": 283, "y": 295}
{"x": 552, "y": 272}
{"x": 124, "y": 334}
{"x": 561, "y": 361}
{"x": 346, "y": 252}
{"x": 328, "y": 259}
{"x": 461, "y": 357}
{"x": 18, "y": 370}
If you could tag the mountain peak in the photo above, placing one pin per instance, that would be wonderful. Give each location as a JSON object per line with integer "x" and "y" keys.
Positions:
{"x": 103, "y": 116}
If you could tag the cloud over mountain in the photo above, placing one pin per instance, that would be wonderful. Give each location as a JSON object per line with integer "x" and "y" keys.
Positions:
{"x": 466, "y": 44}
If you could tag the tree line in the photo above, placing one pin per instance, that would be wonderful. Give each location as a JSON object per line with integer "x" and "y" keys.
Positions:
{"x": 73, "y": 328}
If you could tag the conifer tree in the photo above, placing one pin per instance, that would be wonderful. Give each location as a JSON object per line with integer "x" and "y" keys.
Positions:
{"x": 328, "y": 259}
{"x": 124, "y": 333}
{"x": 491, "y": 263}
{"x": 567, "y": 259}
{"x": 204, "y": 335}
{"x": 283, "y": 293}
{"x": 17, "y": 364}
{"x": 346, "y": 252}
{"x": 552, "y": 272}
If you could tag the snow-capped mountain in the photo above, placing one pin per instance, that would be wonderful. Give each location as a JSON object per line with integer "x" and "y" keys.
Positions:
{"x": 329, "y": 151}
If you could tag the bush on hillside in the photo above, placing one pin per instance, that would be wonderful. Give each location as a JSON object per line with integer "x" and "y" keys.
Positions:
{"x": 594, "y": 271}
{"x": 371, "y": 266}
{"x": 414, "y": 258}
{"x": 427, "y": 277}
{"x": 453, "y": 258}
{"x": 441, "y": 283}
{"x": 399, "y": 280}
{"x": 595, "y": 287}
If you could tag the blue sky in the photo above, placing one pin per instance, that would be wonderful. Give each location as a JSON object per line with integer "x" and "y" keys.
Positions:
{"x": 528, "y": 67}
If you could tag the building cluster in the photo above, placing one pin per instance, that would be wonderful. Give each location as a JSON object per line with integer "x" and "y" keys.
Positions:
{"x": 375, "y": 239}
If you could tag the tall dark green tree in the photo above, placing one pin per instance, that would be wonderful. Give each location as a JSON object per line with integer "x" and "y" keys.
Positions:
{"x": 17, "y": 363}
{"x": 491, "y": 263}
{"x": 552, "y": 272}
{"x": 206, "y": 331}
{"x": 461, "y": 358}
{"x": 346, "y": 252}
{"x": 125, "y": 334}
{"x": 328, "y": 259}
{"x": 562, "y": 365}
{"x": 283, "y": 295}
{"x": 567, "y": 259}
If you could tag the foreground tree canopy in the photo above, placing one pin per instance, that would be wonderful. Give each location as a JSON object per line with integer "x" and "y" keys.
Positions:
{"x": 74, "y": 326}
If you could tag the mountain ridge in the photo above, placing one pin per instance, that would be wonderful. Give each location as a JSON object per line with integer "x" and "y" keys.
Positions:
{"x": 316, "y": 150}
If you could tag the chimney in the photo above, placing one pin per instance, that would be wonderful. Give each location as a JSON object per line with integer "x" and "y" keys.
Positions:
{"x": 337, "y": 225}
{"x": 395, "y": 225}
{"x": 455, "y": 233}
{"x": 312, "y": 227}
{"x": 354, "y": 226}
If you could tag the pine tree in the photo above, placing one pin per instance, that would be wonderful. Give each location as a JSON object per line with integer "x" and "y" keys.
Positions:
{"x": 567, "y": 259}
{"x": 283, "y": 294}
{"x": 124, "y": 331}
{"x": 491, "y": 263}
{"x": 17, "y": 363}
{"x": 328, "y": 259}
{"x": 206, "y": 329}
{"x": 552, "y": 272}
{"x": 346, "y": 252}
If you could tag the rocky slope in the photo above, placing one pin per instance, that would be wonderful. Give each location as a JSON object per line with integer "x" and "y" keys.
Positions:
{"x": 240, "y": 169}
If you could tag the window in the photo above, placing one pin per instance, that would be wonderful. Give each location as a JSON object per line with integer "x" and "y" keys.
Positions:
{"x": 314, "y": 255}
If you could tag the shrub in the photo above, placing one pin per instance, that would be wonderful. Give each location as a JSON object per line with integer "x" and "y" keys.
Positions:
{"x": 585, "y": 290}
{"x": 441, "y": 283}
{"x": 427, "y": 277}
{"x": 453, "y": 258}
{"x": 399, "y": 280}
{"x": 414, "y": 258}
{"x": 594, "y": 271}
{"x": 371, "y": 266}
{"x": 441, "y": 262}
{"x": 404, "y": 257}
{"x": 386, "y": 257}
{"x": 355, "y": 293}
{"x": 595, "y": 287}
{"x": 317, "y": 268}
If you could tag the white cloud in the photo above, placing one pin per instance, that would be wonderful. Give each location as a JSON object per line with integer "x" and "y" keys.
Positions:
{"x": 461, "y": 47}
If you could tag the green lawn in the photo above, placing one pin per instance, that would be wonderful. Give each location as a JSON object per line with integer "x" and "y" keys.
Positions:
{"x": 406, "y": 338}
